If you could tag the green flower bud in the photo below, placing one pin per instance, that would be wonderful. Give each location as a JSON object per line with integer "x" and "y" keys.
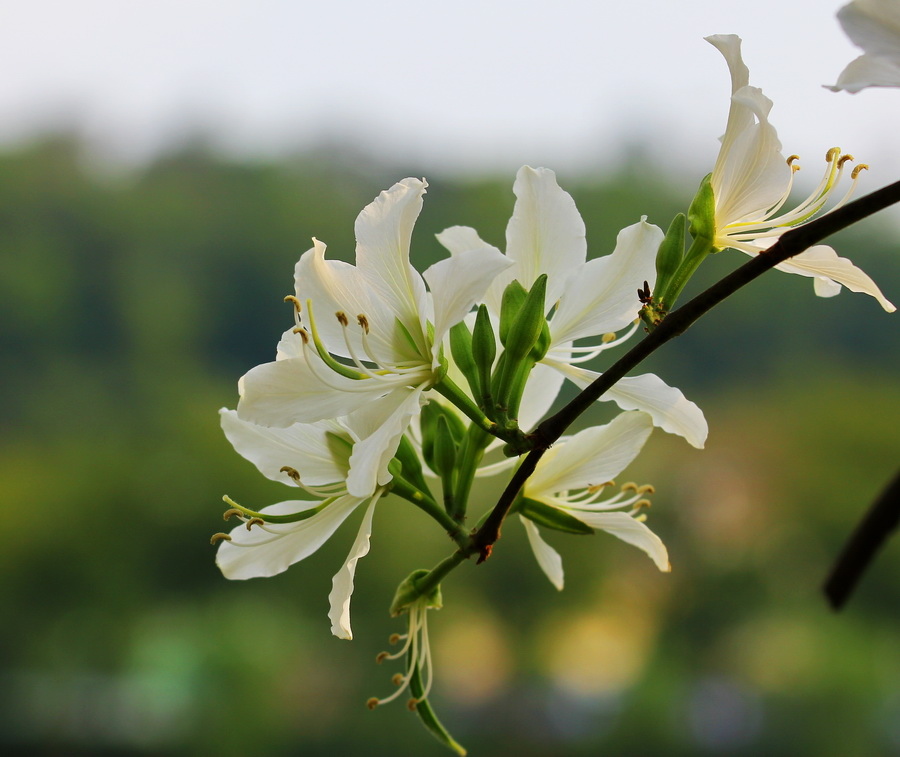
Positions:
{"x": 702, "y": 213}
{"x": 530, "y": 318}
{"x": 484, "y": 348}
{"x": 670, "y": 253}
{"x": 444, "y": 453}
{"x": 462, "y": 351}
{"x": 513, "y": 298}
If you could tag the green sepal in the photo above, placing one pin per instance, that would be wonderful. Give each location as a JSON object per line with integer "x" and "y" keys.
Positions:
{"x": 670, "y": 253}
{"x": 513, "y": 298}
{"x": 542, "y": 344}
{"x": 408, "y": 592}
{"x": 429, "y": 718}
{"x": 444, "y": 453}
{"x": 408, "y": 457}
{"x": 702, "y": 212}
{"x": 551, "y": 517}
{"x": 462, "y": 352}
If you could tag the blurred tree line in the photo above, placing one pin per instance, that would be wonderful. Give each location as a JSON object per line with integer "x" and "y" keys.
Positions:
{"x": 129, "y": 306}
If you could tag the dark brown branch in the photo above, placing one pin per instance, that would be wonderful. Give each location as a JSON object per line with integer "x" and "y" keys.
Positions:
{"x": 677, "y": 322}
{"x": 878, "y": 523}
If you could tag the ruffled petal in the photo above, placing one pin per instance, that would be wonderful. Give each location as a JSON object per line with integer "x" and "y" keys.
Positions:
{"x": 547, "y": 558}
{"x": 590, "y": 457}
{"x": 602, "y": 297}
{"x": 272, "y": 551}
{"x": 630, "y": 530}
{"x": 342, "y": 583}
{"x": 383, "y": 232}
{"x": 458, "y": 282}
{"x": 670, "y": 409}
{"x": 303, "y": 446}
{"x": 867, "y": 71}
{"x": 822, "y": 262}
{"x": 545, "y": 234}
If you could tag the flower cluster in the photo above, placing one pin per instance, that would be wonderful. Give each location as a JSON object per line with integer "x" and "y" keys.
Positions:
{"x": 389, "y": 381}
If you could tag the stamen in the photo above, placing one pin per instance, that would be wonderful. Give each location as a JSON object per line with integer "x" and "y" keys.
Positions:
{"x": 395, "y": 637}
{"x": 363, "y": 322}
{"x": 843, "y": 159}
{"x": 372, "y": 702}
{"x": 608, "y": 337}
{"x": 647, "y": 489}
{"x": 296, "y": 303}
{"x": 854, "y": 174}
{"x": 216, "y": 538}
{"x": 228, "y": 514}
{"x": 342, "y": 318}
{"x": 641, "y": 503}
{"x": 381, "y": 657}
{"x": 291, "y": 472}
{"x": 255, "y": 522}
{"x": 304, "y": 334}
{"x": 411, "y": 704}
{"x": 630, "y": 487}
{"x": 397, "y": 679}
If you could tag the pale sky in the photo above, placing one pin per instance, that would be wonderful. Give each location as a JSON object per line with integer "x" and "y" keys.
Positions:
{"x": 461, "y": 85}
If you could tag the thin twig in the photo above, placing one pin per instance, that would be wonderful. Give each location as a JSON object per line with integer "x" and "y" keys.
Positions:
{"x": 870, "y": 535}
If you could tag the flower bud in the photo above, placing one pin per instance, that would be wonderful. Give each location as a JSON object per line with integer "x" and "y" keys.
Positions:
{"x": 702, "y": 212}
{"x": 462, "y": 351}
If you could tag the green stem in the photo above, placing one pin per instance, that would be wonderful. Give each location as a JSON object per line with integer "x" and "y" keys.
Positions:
{"x": 700, "y": 248}
{"x": 459, "y": 398}
{"x": 424, "y": 502}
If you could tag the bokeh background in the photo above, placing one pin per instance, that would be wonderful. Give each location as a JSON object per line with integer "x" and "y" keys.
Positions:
{"x": 144, "y": 260}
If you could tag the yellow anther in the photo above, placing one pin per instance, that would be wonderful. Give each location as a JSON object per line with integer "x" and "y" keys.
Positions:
{"x": 216, "y": 538}
{"x": 342, "y": 318}
{"x": 291, "y": 472}
{"x": 795, "y": 168}
{"x": 608, "y": 337}
{"x": 230, "y": 513}
{"x": 594, "y": 488}
{"x": 372, "y": 702}
{"x": 642, "y": 518}
{"x": 397, "y": 679}
{"x": 647, "y": 489}
{"x": 630, "y": 487}
{"x": 381, "y": 657}
{"x": 294, "y": 301}
{"x": 363, "y": 322}
{"x": 411, "y": 704}
{"x": 790, "y": 161}
{"x": 255, "y": 522}
{"x": 641, "y": 503}
{"x": 832, "y": 154}
{"x": 304, "y": 334}
{"x": 844, "y": 158}
{"x": 394, "y": 638}
{"x": 860, "y": 167}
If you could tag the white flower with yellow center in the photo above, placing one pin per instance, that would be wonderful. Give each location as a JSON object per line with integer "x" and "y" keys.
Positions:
{"x": 315, "y": 457}
{"x": 573, "y": 477}
{"x": 589, "y": 299}
{"x": 751, "y": 184}
{"x": 367, "y": 334}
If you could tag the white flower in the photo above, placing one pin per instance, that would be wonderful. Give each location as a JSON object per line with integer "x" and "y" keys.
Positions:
{"x": 752, "y": 180}
{"x": 592, "y": 298}
{"x": 315, "y": 457}
{"x": 378, "y": 318}
{"x": 874, "y": 26}
{"x": 573, "y": 475}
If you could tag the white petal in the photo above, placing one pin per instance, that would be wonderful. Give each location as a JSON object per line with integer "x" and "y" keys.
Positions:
{"x": 822, "y": 260}
{"x": 304, "y": 447}
{"x": 547, "y": 558}
{"x": 458, "y": 282}
{"x": 383, "y": 232}
{"x": 541, "y": 391}
{"x": 867, "y": 71}
{"x": 629, "y": 530}
{"x": 285, "y": 392}
{"x": 670, "y": 409}
{"x": 590, "y": 457}
{"x": 730, "y": 47}
{"x": 603, "y": 296}
{"x": 342, "y": 583}
{"x": 546, "y": 233}
{"x": 873, "y": 25}
{"x": 371, "y": 455}
{"x": 267, "y": 554}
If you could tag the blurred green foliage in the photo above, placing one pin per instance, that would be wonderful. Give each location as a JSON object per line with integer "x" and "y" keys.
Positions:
{"x": 130, "y": 305}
